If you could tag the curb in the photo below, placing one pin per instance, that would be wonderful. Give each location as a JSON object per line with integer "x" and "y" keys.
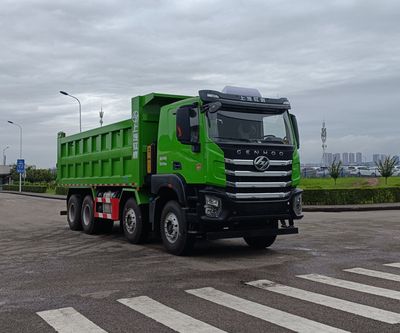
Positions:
{"x": 38, "y": 195}
{"x": 352, "y": 208}
{"x": 333, "y": 208}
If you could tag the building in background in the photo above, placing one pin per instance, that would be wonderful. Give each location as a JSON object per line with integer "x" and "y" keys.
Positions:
{"x": 376, "y": 158}
{"x": 328, "y": 159}
{"x": 345, "y": 158}
{"x": 336, "y": 157}
{"x": 358, "y": 158}
{"x": 5, "y": 172}
{"x": 352, "y": 158}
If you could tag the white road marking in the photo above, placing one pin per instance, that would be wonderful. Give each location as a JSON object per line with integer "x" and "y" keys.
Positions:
{"x": 377, "y": 274}
{"x": 364, "y": 288}
{"x": 274, "y": 316}
{"x": 68, "y": 320}
{"x": 167, "y": 316}
{"x": 395, "y": 264}
{"x": 332, "y": 302}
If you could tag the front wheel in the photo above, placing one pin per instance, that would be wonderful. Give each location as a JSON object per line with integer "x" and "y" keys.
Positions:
{"x": 260, "y": 242}
{"x": 173, "y": 230}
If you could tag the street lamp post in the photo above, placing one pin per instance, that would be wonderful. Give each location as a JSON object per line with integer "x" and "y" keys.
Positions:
{"x": 80, "y": 108}
{"x": 20, "y": 149}
{"x": 4, "y": 155}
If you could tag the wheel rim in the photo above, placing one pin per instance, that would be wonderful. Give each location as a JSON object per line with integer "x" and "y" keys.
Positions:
{"x": 86, "y": 215}
{"x": 171, "y": 227}
{"x": 71, "y": 212}
{"x": 130, "y": 220}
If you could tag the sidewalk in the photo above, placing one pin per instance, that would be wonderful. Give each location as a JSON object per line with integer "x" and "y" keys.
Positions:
{"x": 330, "y": 208}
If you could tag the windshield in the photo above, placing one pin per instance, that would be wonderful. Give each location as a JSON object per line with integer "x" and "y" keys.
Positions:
{"x": 250, "y": 126}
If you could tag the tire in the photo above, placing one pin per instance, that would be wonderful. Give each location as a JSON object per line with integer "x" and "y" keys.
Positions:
{"x": 89, "y": 223}
{"x": 74, "y": 207}
{"x": 135, "y": 229}
{"x": 262, "y": 242}
{"x": 173, "y": 230}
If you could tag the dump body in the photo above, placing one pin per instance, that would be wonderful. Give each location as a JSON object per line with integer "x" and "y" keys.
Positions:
{"x": 114, "y": 154}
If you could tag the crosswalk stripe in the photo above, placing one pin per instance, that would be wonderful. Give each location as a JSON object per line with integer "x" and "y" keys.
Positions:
{"x": 167, "y": 316}
{"x": 332, "y": 302}
{"x": 394, "y": 264}
{"x": 68, "y": 320}
{"x": 377, "y": 274}
{"x": 274, "y": 316}
{"x": 364, "y": 288}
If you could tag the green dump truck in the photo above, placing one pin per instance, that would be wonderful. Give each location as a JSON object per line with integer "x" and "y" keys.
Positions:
{"x": 217, "y": 165}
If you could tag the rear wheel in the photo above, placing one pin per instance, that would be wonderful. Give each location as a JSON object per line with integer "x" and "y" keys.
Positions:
{"x": 173, "y": 230}
{"x": 89, "y": 223}
{"x": 74, "y": 207}
{"x": 135, "y": 229}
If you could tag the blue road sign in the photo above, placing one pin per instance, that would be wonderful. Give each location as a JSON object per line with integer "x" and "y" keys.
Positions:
{"x": 20, "y": 166}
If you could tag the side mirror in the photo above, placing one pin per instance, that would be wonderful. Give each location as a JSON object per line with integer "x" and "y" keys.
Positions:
{"x": 295, "y": 129}
{"x": 187, "y": 127}
{"x": 183, "y": 130}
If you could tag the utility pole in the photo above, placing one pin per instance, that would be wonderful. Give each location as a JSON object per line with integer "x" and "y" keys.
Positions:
{"x": 80, "y": 108}
{"x": 20, "y": 151}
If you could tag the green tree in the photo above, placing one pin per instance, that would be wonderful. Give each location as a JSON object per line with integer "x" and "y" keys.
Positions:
{"x": 335, "y": 169}
{"x": 386, "y": 167}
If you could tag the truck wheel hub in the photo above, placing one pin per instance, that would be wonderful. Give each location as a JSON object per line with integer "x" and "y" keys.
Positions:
{"x": 171, "y": 227}
{"x": 130, "y": 221}
{"x": 71, "y": 213}
{"x": 86, "y": 215}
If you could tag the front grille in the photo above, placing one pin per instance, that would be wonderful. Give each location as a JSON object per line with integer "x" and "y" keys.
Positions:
{"x": 245, "y": 182}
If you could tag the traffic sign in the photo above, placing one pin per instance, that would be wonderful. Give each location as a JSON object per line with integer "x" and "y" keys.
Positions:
{"x": 20, "y": 166}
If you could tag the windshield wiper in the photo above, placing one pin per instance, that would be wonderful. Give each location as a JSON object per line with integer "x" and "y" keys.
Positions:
{"x": 272, "y": 138}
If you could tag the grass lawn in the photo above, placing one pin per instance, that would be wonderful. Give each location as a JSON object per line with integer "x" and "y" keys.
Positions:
{"x": 348, "y": 182}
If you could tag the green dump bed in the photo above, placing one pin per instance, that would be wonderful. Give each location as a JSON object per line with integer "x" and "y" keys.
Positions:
{"x": 113, "y": 154}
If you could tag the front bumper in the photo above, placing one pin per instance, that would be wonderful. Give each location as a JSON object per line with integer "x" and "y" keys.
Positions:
{"x": 240, "y": 218}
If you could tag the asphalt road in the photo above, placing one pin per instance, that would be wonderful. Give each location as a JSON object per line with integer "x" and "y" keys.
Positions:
{"x": 101, "y": 283}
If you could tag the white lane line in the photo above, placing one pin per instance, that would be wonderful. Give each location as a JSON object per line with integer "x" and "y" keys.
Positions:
{"x": 167, "y": 316}
{"x": 274, "y": 316}
{"x": 377, "y": 274}
{"x": 364, "y": 288}
{"x": 332, "y": 302}
{"x": 394, "y": 264}
{"x": 68, "y": 320}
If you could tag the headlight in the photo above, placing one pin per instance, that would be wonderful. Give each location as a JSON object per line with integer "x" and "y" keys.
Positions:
{"x": 297, "y": 205}
{"x": 213, "y": 206}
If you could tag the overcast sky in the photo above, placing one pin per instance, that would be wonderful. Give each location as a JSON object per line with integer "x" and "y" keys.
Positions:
{"x": 337, "y": 61}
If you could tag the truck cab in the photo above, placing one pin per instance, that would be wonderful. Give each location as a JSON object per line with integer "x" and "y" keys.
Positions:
{"x": 232, "y": 161}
